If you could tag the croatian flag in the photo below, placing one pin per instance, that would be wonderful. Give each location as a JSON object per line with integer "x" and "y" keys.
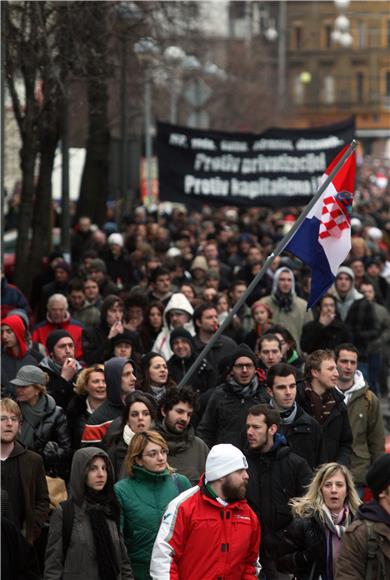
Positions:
{"x": 324, "y": 238}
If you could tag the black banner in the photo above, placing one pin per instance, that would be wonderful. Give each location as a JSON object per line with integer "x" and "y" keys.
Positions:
{"x": 276, "y": 168}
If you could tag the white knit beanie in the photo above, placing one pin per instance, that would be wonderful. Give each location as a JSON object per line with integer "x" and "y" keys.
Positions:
{"x": 115, "y": 239}
{"x": 222, "y": 460}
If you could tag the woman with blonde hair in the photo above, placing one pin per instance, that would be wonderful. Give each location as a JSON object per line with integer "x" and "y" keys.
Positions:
{"x": 90, "y": 393}
{"x": 320, "y": 519}
{"x": 143, "y": 496}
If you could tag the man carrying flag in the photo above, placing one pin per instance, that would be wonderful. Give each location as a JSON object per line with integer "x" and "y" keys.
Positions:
{"x": 323, "y": 240}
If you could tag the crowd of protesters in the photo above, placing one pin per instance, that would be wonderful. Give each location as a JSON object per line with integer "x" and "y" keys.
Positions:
{"x": 284, "y": 409}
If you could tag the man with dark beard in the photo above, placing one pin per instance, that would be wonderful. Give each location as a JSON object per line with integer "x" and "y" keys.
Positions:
{"x": 209, "y": 531}
{"x": 187, "y": 453}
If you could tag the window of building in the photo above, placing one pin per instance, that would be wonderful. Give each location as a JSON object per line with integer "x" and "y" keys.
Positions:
{"x": 298, "y": 37}
{"x": 361, "y": 34}
{"x": 329, "y": 90}
{"x": 328, "y": 35}
{"x": 388, "y": 34}
{"x": 359, "y": 87}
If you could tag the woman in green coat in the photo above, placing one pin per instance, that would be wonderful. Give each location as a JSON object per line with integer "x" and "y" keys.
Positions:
{"x": 144, "y": 495}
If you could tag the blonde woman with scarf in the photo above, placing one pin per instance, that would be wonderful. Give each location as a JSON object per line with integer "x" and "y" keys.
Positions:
{"x": 320, "y": 519}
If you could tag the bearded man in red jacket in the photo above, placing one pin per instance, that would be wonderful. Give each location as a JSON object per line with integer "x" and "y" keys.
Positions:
{"x": 209, "y": 531}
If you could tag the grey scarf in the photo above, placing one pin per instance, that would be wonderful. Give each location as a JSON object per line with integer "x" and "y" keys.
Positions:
{"x": 32, "y": 416}
{"x": 246, "y": 392}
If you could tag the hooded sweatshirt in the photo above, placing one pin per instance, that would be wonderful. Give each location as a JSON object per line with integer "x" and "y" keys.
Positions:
{"x": 11, "y": 363}
{"x": 100, "y": 420}
{"x": 358, "y": 384}
{"x": 78, "y": 473}
{"x": 177, "y": 302}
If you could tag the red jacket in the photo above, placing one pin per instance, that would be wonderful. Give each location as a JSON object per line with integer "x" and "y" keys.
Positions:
{"x": 200, "y": 538}
{"x": 42, "y": 330}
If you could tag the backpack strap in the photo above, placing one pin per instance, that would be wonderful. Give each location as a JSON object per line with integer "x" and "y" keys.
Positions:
{"x": 67, "y": 525}
{"x": 374, "y": 553}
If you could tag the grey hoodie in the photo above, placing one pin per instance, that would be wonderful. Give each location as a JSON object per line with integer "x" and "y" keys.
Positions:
{"x": 79, "y": 468}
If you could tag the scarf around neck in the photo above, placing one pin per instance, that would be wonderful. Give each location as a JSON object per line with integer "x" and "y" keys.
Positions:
{"x": 246, "y": 392}
{"x": 335, "y": 526}
{"x": 284, "y": 301}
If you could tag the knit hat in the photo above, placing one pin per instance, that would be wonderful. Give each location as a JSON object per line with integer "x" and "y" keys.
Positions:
{"x": 29, "y": 375}
{"x": 115, "y": 239}
{"x": 180, "y": 333}
{"x": 54, "y": 337}
{"x": 199, "y": 263}
{"x": 378, "y": 476}
{"x": 62, "y": 265}
{"x": 242, "y": 350}
{"x": 127, "y": 336}
{"x": 98, "y": 265}
{"x": 222, "y": 460}
{"x": 226, "y": 363}
{"x": 346, "y": 270}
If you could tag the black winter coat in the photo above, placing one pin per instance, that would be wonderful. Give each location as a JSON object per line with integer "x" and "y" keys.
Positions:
{"x": 204, "y": 378}
{"x": 336, "y": 431}
{"x": 304, "y": 436}
{"x": 51, "y": 438}
{"x": 274, "y": 478}
{"x": 225, "y": 416}
{"x": 304, "y": 546}
{"x": 317, "y": 336}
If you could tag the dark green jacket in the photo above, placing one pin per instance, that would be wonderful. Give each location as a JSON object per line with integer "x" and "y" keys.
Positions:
{"x": 143, "y": 500}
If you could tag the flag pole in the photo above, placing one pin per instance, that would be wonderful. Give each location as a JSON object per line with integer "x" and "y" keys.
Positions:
{"x": 278, "y": 250}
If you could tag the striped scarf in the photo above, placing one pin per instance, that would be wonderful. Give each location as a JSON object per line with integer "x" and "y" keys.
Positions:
{"x": 335, "y": 526}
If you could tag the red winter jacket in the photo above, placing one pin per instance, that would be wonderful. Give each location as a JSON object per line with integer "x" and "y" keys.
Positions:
{"x": 200, "y": 538}
{"x": 42, "y": 330}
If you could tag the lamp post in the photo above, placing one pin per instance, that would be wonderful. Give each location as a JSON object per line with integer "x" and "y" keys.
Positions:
{"x": 146, "y": 49}
{"x": 174, "y": 56}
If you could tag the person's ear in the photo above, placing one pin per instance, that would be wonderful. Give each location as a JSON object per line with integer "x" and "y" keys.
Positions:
{"x": 163, "y": 413}
{"x": 270, "y": 392}
{"x": 273, "y": 429}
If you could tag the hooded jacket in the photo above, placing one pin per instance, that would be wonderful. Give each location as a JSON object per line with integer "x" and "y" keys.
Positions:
{"x": 353, "y": 557}
{"x": 81, "y": 562}
{"x": 177, "y": 302}
{"x": 100, "y": 420}
{"x": 366, "y": 422}
{"x": 58, "y": 387}
{"x": 297, "y": 316}
{"x": 359, "y": 317}
{"x": 10, "y": 364}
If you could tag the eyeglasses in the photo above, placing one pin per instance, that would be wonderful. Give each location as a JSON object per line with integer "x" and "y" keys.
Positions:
{"x": 13, "y": 418}
{"x": 241, "y": 367}
{"x": 154, "y": 454}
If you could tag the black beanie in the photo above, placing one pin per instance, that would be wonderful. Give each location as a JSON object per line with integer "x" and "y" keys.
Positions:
{"x": 226, "y": 363}
{"x": 181, "y": 333}
{"x": 127, "y": 336}
{"x": 378, "y": 476}
{"x": 54, "y": 337}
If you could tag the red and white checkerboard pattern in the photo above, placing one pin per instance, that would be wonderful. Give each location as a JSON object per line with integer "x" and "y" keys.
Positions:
{"x": 333, "y": 219}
